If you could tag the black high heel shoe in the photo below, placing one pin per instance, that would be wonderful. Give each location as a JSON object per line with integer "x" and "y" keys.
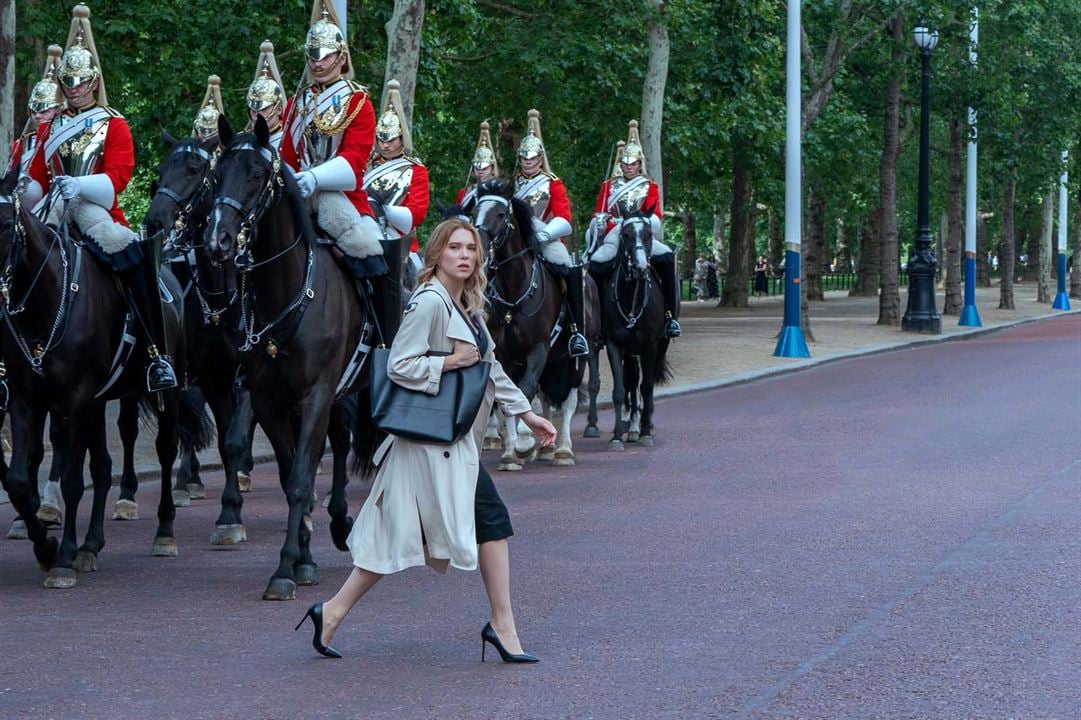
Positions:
{"x": 315, "y": 612}
{"x": 487, "y": 635}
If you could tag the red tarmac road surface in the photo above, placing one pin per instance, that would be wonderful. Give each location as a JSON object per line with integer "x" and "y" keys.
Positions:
{"x": 894, "y": 536}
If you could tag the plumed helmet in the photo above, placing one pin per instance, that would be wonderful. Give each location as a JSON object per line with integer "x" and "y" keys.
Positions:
{"x": 532, "y": 144}
{"x": 484, "y": 155}
{"x": 46, "y": 93}
{"x": 80, "y": 62}
{"x": 206, "y": 120}
{"x": 266, "y": 90}
{"x": 325, "y": 37}
{"x": 632, "y": 151}
{"x": 392, "y": 121}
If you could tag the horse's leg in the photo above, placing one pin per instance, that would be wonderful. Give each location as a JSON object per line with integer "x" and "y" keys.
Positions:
{"x": 78, "y": 429}
{"x": 187, "y": 472}
{"x": 340, "y": 522}
{"x": 564, "y": 454}
{"x": 27, "y": 435}
{"x": 631, "y": 376}
{"x": 492, "y": 439}
{"x": 37, "y": 456}
{"x": 592, "y": 431}
{"x": 649, "y": 360}
{"x": 526, "y": 444}
{"x": 3, "y": 458}
{"x": 232, "y": 432}
{"x": 128, "y": 425}
{"x": 508, "y": 462}
{"x": 51, "y": 510}
{"x": 279, "y": 432}
{"x": 166, "y": 446}
{"x": 101, "y": 472}
{"x": 546, "y": 453}
{"x": 618, "y": 396}
{"x": 245, "y": 440}
{"x": 311, "y": 443}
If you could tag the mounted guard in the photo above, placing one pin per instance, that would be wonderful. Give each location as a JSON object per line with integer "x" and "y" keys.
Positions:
{"x": 88, "y": 155}
{"x": 266, "y": 95}
{"x": 205, "y": 125}
{"x": 631, "y": 190}
{"x": 329, "y": 133}
{"x": 547, "y": 197}
{"x": 45, "y": 102}
{"x": 485, "y": 166}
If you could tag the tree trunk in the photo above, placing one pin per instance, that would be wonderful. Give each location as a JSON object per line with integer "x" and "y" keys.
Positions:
{"x": 690, "y": 242}
{"x": 889, "y": 298}
{"x": 815, "y": 247}
{"x": 403, "y": 50}
{"x": 843, "y": 252}
{"x": 7, "y": 78}
{"x": 653, "y": 91}
{"x": 870, "y": 261}
{"x": 1075, "y": 273}
{"x": 1047, "y": 229}
{"x": 1006, "y": 254}
{"x": 776, "y": 243}
{"x": 1028, "y": 242}
{"x": 955, "y": 235}
{"x": 983, "y": 247}
{"x": 740, "y": 243}
{"x": 720, "y": 254}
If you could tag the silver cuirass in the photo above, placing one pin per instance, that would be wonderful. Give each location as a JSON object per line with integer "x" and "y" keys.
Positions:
{"x": 535, "y": 191}
{"x": 391, "y": 188}
{"x": 323, "y": 135}
{"x": 632, "y": 200}
{"x": 80, "y": 154}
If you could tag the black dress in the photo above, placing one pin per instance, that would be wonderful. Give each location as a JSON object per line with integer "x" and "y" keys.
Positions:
{"x": 491, "y": 516}
{"x": 761, "y": 284}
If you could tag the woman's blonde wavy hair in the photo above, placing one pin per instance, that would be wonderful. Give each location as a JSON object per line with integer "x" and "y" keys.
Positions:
{"x": 473, "y": 294}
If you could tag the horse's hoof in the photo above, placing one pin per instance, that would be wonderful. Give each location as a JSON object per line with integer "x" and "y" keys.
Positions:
{"x": 45, "y": 553}
{"x": 615, "y": 444}
{"x": 280, "y": 589}
{"x": 243, "y": 480}
{"x": 340, "y": 527}
{"x": 181, "y": 498}
{"x": 60, "y": 578}
{"x": 228, "y": 535}
{"x": 646, "y": 441}
{"x": 547, "y": 453}
{"x": 306, "y": 574}
{"x": 591, "y": 431}
{"x": 85, "y": 562}
{"x": 126, "y": 510}
{"x": 508, "y": 466}
{"x": 564, "y": 458}
{"x": 495, "y": 443}
{"x": 308, "y": 523}
{"x": 632, "y": 437}
{"x": 18, "y": 530}
{"x": 525, "y": 457}
{"x": 50, "y": 515}
{"x": 164, "y": 547}
{"x": 4, "y": 498}
{"x": 196, "y": 491}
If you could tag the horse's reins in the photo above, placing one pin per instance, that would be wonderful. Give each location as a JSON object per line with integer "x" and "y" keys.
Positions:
{"x": 496, "y": 243}
{"x": 644, "y": 284}
{"x": 249, "y": 229}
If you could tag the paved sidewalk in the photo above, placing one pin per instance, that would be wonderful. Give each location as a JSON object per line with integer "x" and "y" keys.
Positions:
{"x": 722, "y": 346}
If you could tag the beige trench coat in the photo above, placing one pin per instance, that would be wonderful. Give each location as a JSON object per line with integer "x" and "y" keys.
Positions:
{"x": 427, "y": 486}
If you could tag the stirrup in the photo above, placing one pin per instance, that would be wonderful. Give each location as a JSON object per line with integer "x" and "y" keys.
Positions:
{"x": 577, "y": 345}
{"x": 672, "y": 328}
{"x": 160, "y": 375}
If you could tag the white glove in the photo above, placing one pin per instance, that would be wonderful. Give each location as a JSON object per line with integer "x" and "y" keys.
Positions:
{"x": 29, "y": 190}
{"x": 543, "y": 237}
{"x": 67, "y": 186}
{"x": 335, "y": 174}
{"x": 307, "y": 184}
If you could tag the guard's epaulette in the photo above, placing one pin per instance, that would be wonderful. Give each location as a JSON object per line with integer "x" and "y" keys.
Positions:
{"x": 113, "y": 113}
{"x": 357, "y": 87}
{"x": 549, "y": 174}
{"x": 413, "y": 159}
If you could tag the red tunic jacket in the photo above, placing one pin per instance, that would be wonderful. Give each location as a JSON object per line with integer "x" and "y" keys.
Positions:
{"x": 653, "y": 197}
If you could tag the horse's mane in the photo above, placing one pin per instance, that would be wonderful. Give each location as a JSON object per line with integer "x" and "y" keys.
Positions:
{"x": 523, "y": 214}
{"x": 290, "y": 190}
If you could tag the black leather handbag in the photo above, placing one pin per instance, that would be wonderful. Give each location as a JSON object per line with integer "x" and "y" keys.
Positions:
{"x": 441, "y": 418}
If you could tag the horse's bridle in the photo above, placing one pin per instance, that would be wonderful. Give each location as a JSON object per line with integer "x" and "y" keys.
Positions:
{"x": 245, "y": 237}
{"x": 183, "y": 219}
{"x": 495, "y": 243}
{"x": 643, "y": 285}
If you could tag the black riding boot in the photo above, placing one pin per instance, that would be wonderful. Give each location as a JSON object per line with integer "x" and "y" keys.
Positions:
{"x": 388, "y": 291}
{"x": 666, "y": 268}
{"x": 141, "y": 282}
{"x": 576, "y": 345}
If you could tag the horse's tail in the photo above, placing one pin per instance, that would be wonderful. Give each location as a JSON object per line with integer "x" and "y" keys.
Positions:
{"x": 662, "y": 369}
{"x": 366, "y": 436}
{"x": 194, "y": 426}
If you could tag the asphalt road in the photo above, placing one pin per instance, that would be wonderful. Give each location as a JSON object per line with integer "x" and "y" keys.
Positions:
{"x": 894, "y": 536}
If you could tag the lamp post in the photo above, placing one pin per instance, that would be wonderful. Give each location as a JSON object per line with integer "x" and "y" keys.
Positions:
{"x": 1062, "y": 300}
{"x": 970, "y": 316}
{"x": 921, "y": 315}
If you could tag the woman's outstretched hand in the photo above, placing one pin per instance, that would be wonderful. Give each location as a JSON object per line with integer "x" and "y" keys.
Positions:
{"x": 544, "y": 430}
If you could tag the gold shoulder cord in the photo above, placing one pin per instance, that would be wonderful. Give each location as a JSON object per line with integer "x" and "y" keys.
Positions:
{"x": 331, "y": 129}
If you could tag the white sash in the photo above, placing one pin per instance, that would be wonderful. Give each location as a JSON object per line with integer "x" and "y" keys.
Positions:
{"x": 302, "y": 119}
{"x": 469, "y": 196}
{"x": 387, "y": 167}
{"x": 531, "y": 186}
{"x": 71, "y": 128}
{"x": 27, "y": 153}
{"x": 631, "y": 185}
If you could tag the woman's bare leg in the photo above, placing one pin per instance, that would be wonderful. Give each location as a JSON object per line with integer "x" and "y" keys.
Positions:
{"x": 494, "y": 561}
{"x": 353, "y": 589}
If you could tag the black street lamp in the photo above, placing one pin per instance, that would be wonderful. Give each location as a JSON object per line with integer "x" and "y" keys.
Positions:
{"x": 921, "y": 315}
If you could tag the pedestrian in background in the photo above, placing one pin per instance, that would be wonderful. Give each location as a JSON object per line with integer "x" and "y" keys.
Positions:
{"x": 698, "y": 280}
{"x": 761, "y": 282}
{"x": 423, "y": 507}
{"x": 713, "y": 289}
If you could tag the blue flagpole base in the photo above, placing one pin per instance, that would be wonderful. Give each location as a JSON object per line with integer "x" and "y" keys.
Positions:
{"x": 970, "y": 317}
{"x": 1062, "y": 302}
{"x": 792, "y": 344}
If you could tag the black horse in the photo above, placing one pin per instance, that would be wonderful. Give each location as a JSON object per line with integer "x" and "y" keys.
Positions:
{"x": 180, "y": 207}
{"x": 523, "y": 295}
{"x": 632, "y": 317}
{"x": 65, "y": 318}
{"x": 303, "y": 320}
